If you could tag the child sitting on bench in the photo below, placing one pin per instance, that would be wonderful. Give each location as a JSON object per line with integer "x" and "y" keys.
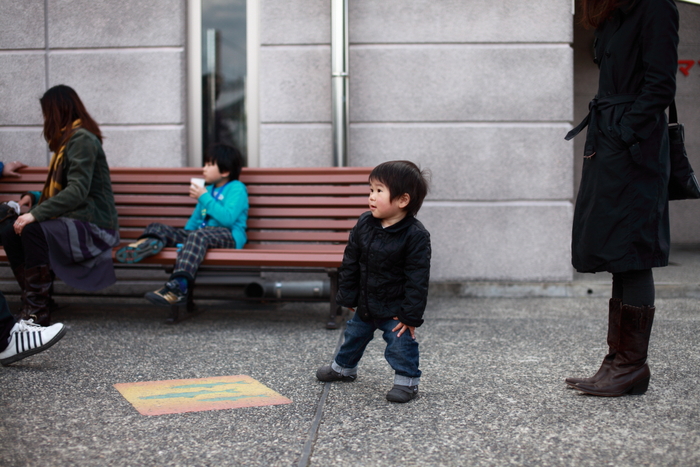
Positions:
{"x": 218, "y": 221}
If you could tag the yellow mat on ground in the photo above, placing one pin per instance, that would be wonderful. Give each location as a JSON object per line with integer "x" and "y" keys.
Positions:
{"x": 195, "y": 395}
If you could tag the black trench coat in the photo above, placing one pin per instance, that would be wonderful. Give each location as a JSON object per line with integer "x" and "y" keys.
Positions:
{"x": 621, "y": 214}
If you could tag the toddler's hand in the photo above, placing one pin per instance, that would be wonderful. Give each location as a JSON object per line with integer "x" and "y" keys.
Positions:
{"x": 197, "y": 191}
{"x": 403, "y": 327}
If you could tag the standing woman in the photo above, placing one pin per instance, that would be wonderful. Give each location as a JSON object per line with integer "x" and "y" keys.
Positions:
{"x": 72, "y": 223}
{"x": 621, "y": 217}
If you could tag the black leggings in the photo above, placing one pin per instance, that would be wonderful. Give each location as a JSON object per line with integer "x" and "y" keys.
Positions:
{"x": 29, "y": 249}
{"x": 635, "y": 288}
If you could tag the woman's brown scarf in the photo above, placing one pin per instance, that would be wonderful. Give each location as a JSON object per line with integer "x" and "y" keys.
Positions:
{"x": 54, "y": 180}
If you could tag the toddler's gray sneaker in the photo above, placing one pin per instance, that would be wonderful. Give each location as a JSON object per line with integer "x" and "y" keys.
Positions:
{"x": 402, "y": 394}
{"x": 328, "y": 374}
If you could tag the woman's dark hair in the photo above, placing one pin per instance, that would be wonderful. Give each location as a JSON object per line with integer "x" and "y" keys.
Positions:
{"x": 227, "y": 158}
{"x": 403, "y": 177}
{"x": 594, "y": 12}
{"x": 61, "y": 106}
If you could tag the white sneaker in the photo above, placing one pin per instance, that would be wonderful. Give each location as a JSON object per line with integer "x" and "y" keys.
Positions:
{"x": 27, "y": 338}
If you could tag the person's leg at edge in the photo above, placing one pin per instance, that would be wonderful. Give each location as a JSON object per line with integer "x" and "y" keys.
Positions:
{"x": 7, "y": 322}
{"x": 629, "y": 372}
{"x": 21, "y": 339}
{"x": 403, "y": 355}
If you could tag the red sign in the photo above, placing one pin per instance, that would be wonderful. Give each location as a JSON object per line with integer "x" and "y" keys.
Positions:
{"x": 685, "y": 65}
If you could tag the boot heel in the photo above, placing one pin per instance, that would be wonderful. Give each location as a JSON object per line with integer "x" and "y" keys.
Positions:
{"x": 639, "y": 388}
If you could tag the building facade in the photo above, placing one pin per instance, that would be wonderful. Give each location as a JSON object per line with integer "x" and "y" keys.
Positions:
{"x": 480, "y": 92}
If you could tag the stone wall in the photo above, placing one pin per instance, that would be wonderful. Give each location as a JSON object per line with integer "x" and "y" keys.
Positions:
{"x": 126, "y": 60}
{"x": 479, "y": 92}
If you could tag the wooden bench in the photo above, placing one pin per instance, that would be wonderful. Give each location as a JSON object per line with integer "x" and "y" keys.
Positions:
{"x": 299, "y": 218}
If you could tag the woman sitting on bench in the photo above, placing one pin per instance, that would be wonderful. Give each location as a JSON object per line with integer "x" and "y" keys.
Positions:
{"x": 72, "y": 224}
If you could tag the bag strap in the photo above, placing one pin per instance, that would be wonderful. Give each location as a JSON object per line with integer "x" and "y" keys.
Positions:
{"x": 672, "y": 113}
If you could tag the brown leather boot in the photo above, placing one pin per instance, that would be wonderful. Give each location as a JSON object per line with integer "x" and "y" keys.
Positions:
{"x": 36, "y": 296}
{"x": 613, "y": 338}
{"x": 628, "y": 372}
{"x": 19, "y": 275}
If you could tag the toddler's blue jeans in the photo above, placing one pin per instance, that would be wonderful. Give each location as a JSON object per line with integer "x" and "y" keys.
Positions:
{"x": 401, "y": 352}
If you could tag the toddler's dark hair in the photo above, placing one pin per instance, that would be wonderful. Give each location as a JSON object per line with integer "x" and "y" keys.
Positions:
{"x": 403, "y": 177}
{"x": 226, "y": 157}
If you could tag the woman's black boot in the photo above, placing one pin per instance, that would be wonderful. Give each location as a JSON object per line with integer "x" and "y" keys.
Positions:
{"x": 613, "y": 337}
{"x": 36, "y": 295}
{"x": 628, "y": 372}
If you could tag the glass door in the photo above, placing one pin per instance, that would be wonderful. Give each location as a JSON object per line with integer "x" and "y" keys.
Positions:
{"x": 224, "y": 73}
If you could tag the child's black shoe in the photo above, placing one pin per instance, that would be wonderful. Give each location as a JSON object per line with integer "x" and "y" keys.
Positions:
{"x": 169, "y": 294}
{"x": 140, "y": 249}
{"x": 402, "y": 393}
{"x": 328, "y": 374}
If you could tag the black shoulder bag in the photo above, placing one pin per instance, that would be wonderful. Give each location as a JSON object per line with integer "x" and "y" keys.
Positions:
{"x": 682, "y": 184}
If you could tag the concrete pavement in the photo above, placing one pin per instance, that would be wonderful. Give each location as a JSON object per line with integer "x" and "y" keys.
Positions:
{"x": 492, "y": 392}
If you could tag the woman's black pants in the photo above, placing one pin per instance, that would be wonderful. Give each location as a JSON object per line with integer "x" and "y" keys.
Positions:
{"x": 634, "y": 288}
{"x": 29, "y": 249}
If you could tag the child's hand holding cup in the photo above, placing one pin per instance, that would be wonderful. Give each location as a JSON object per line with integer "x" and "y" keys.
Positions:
{"x": 197, "y": 187}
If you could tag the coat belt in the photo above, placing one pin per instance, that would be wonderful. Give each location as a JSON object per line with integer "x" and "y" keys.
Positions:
{"x": 597, "y": 104}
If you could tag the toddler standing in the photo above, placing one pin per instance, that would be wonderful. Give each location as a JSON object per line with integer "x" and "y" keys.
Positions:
{"x": 384, "y": 277}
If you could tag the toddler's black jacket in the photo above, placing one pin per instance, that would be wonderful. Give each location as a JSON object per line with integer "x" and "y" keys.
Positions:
{"x": 385, "y": 271}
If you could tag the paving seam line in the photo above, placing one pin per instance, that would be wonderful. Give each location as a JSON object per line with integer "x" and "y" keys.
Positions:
{"x": 313, "y": 431}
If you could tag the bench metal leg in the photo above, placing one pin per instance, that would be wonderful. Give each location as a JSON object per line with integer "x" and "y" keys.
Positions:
{"x": 174, "y": 317}
{"x": 335, "y": 317}
{"x": 190, "y": 309}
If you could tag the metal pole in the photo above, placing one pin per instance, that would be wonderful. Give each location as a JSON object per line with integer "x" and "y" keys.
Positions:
{"x": 194, "y": 83}
{"x": 211, "y": 71}
{"x": 339, "y": 80}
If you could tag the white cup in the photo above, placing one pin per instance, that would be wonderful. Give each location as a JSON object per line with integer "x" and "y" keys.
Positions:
{"x": 197, "y": 181}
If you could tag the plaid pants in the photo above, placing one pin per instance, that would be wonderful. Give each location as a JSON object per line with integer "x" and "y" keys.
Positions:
{"x": 194, "y": 244}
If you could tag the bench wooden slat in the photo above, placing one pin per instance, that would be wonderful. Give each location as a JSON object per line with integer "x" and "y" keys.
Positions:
{"x": 297, "y": 247}
{"x": 306, "y": 201}
{"x": 155, "y": 200}
{"x": 141, "y": 189}
{"x": 267, "y": 236}
{"x": 301, "y": 224}
{"x": 305, "y": 179}
{"x": 305, "y": 190}
{"x": 253, "y": 224}
{"x": 154, "y": 211}
{"x": 178, "y": 189}
{"x": 258, "y": 258}
{"x": 172, "y": 200}
{"x": 142, "y": 222}
{"x": 287, "y": 236}
{"x": 332, "y": 213}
